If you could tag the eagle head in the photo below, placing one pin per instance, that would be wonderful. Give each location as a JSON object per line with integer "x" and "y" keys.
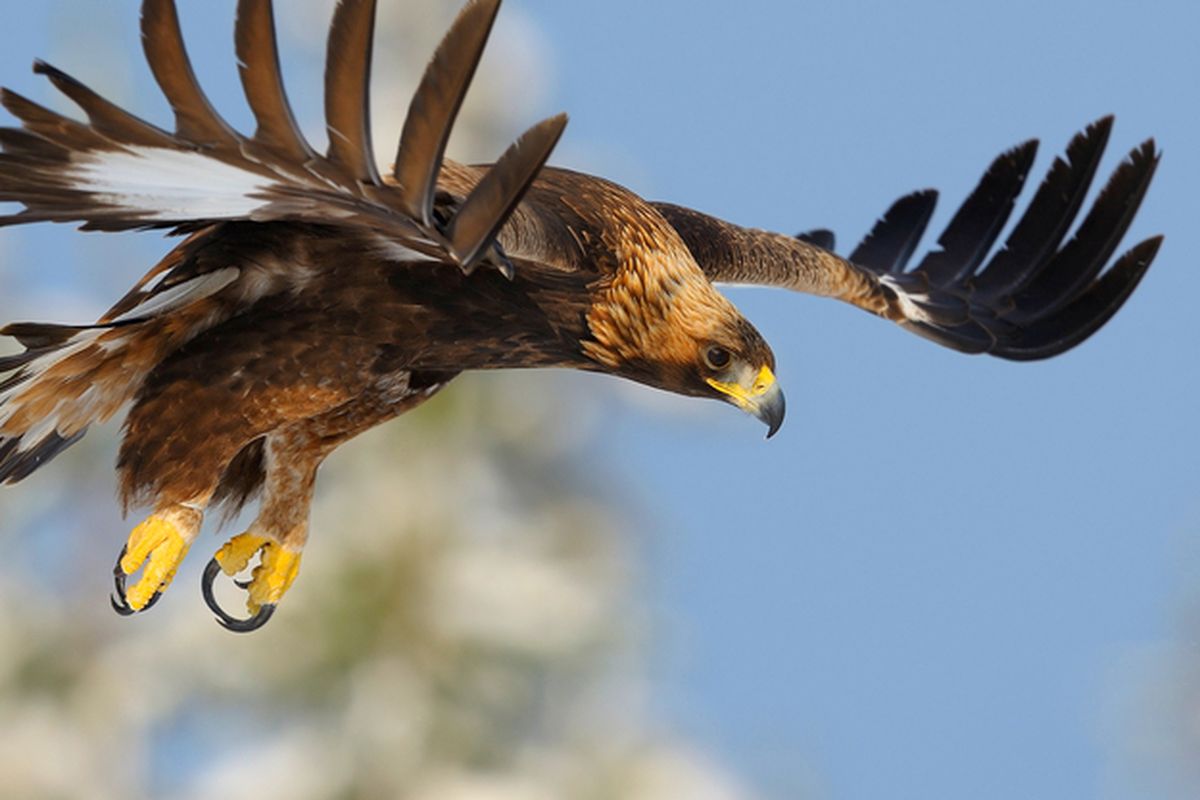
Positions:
{"x": 658, "y": 320}
{"x": 739, "y": 366}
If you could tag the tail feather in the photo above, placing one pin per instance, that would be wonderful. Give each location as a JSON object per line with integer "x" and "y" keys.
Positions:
{"x": 18, "y": 462}
{"x": 41, "y": 335}
{"x": 68, "y": 378}
{"x": 39, "y": 417}
{"x": 74, "y": 376}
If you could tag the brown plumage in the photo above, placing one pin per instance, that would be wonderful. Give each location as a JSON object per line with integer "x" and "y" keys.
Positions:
{"x": 314, "y": 298}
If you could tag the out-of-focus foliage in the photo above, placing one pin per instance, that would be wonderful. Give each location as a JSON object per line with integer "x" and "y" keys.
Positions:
{"x": 1152, "y": 726}
{"x": 462, "y": 629}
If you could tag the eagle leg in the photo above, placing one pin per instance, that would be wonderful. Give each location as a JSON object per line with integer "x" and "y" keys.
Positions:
{"x": 156, "y": 547}
{"x": 292, "y": 454}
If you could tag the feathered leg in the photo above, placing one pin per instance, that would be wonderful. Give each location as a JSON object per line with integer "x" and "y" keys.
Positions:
{"x": 291, "y": 457}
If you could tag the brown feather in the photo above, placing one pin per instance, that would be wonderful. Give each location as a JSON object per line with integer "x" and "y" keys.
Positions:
{"x": 732, "y": 254}
{"x": 49, "y": 124}
{"x": 107, "y": 118}
{"x": 242, "y": 479}
{"x": 436, "y": 104}
{"x": 347, "y": 90}
{"x": 284, "y": 180}
{"x": 473, "y": 229}
{"x": 1034, "y": 298}
{"x": 258, "y": 66}
{"x": 195, "y": 118}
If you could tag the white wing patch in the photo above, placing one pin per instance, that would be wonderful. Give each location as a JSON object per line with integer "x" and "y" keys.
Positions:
{"x": 167, "y": 185}
{"x": 394, "y": 251}
{"x": 908, "y": 301}
{"x": 185, "y": 293}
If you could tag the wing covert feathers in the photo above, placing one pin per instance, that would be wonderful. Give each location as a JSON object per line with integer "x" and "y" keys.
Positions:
{"x": 1033, "y": 298}
{"x": 117, "y": 172}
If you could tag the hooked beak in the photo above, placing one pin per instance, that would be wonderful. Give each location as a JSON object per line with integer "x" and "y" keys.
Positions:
{"x": 757, "y": 394}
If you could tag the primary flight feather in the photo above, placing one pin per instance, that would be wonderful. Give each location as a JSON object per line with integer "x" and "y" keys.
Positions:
{"x": 315, "y": 296}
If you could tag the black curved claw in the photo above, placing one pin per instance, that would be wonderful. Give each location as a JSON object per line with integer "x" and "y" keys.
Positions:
{"x": 226, "y": 620}
{"x": 117, "y": 599}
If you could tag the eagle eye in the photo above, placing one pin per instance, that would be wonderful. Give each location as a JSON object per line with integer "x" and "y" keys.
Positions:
{"x": 717, "y": 357}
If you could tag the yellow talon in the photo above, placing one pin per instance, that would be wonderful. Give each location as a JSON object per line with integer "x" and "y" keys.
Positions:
{"x": 159, "y": 540}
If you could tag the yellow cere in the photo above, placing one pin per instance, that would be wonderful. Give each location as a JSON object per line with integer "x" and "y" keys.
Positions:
{"x": 743, "y": 396}
{"x": 764, "y": 381}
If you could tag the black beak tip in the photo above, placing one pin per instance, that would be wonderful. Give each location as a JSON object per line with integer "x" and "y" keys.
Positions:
{"x": 773, "y": 413}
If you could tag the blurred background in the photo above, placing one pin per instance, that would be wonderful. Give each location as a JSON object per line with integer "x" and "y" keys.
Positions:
{"x": 946, "y": 576}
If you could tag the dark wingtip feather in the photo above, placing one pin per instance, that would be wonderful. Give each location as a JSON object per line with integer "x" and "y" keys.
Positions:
{"x": 7, "y": 446}
{"x": 821, "y": 237}
{"x": 1036, "y": 297}
{"x": 1101, "y": 127}
{"x": 1073, "y": 268}
{"x": 106, "y": 117}
{"x": 891, "y": 242}
{"x": 10, "y": 363}
{"x": 1087, "y": 313}
{"x": 977, "y": 224}
{"x": 17, "y": 105}
{"x": 1043, "y": 226}
{"x": 37, "y": 335}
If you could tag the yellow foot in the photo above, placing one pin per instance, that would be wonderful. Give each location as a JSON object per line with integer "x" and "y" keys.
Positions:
{"x": 277, "y": 570}
{"x": 159, "y": 544}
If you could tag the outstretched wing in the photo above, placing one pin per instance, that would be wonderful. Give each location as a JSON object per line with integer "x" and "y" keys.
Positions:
{"x": 1033, "y": 298}
{"x": 117, "y": 172}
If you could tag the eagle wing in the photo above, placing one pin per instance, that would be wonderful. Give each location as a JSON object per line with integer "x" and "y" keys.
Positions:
{"x": 117, "y": 172}
{"x": 1033, "y": 298}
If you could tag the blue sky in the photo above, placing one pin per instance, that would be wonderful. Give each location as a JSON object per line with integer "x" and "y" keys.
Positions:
{"x": 947, "y": 576}
{"x": 936, "y": 580}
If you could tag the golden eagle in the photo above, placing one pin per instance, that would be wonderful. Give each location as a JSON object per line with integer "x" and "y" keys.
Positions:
{"x": 314, "y": 297}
